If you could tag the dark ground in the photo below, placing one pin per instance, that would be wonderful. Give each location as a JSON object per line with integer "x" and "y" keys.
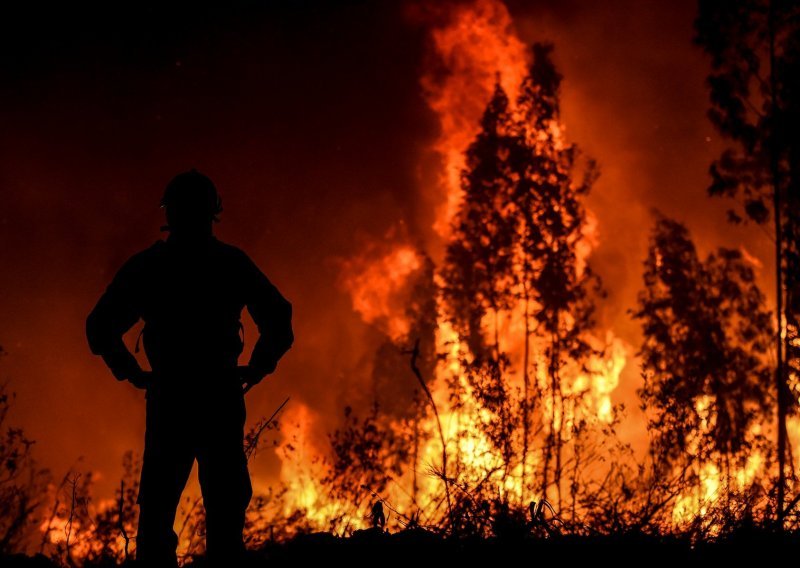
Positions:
{"x": 419, "y": 548}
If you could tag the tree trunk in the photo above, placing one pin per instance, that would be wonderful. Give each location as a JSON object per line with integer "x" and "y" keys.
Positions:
{"x": 415, "y": 487}
{"x": 548, "y": 447}
{"x": 558, "y": 405}
{"x": 525, "y": 387}
{"x": 780, "y": 376}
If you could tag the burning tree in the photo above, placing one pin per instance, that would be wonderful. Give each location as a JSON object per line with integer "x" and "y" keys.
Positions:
{"x": 518, "y": 252}
{"x": 479, "y": 277}
{"x": 556, "y": 280}
{"x": 505, "y": 356}
{"x": 755, "y": 102}
{"x": 705, "y": 367}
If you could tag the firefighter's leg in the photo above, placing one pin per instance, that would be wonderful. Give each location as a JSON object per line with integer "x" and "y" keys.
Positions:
{"x": 166, "y": 465}
{"x": 225, "y": 483}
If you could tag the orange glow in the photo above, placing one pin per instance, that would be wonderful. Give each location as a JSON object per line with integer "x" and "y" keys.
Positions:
{"x": 326, "y": 144}
{"x": 476, "y": 47}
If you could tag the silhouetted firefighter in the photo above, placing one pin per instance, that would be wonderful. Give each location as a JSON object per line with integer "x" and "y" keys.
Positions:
{"x": 190, "y": 291}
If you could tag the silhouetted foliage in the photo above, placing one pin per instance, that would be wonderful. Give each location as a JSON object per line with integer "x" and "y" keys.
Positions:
{"x": 752, "y": 104}
{"x": 479, "y": 273}
{"x": 114, "y": 527}
{"x": 755, "y": 103}
{"x": 704, "y": 353}
{"x": 22, "y": 483}
{"x": 367, "y": 452}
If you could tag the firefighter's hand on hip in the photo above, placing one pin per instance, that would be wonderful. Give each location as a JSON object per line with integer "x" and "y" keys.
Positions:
{"x": 248, "y": 377}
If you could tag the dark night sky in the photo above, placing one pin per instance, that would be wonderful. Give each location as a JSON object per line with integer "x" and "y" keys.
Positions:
{"x": 310, "y": 118}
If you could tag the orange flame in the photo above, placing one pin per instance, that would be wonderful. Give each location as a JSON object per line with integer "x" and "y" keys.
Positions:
{"x": 476, "y": 48}
{"x": 377, "y": 283}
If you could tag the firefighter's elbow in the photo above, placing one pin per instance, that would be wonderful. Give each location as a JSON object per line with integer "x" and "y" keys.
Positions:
{"x": 289, "y": 339}
{"x": 289, "y": 329}
{"x": 91, "y": 334}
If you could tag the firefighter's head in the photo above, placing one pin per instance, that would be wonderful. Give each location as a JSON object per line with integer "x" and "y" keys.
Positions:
{"x": 191, "y": 203}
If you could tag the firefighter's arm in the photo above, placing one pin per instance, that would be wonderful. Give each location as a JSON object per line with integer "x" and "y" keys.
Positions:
{"x": 272, "y": 314}
{"x": 115, "y": 313}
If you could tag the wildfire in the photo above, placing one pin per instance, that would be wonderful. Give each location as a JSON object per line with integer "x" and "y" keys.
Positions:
{"x": 449, "y": 433}
{"x": 476, "y": 48}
